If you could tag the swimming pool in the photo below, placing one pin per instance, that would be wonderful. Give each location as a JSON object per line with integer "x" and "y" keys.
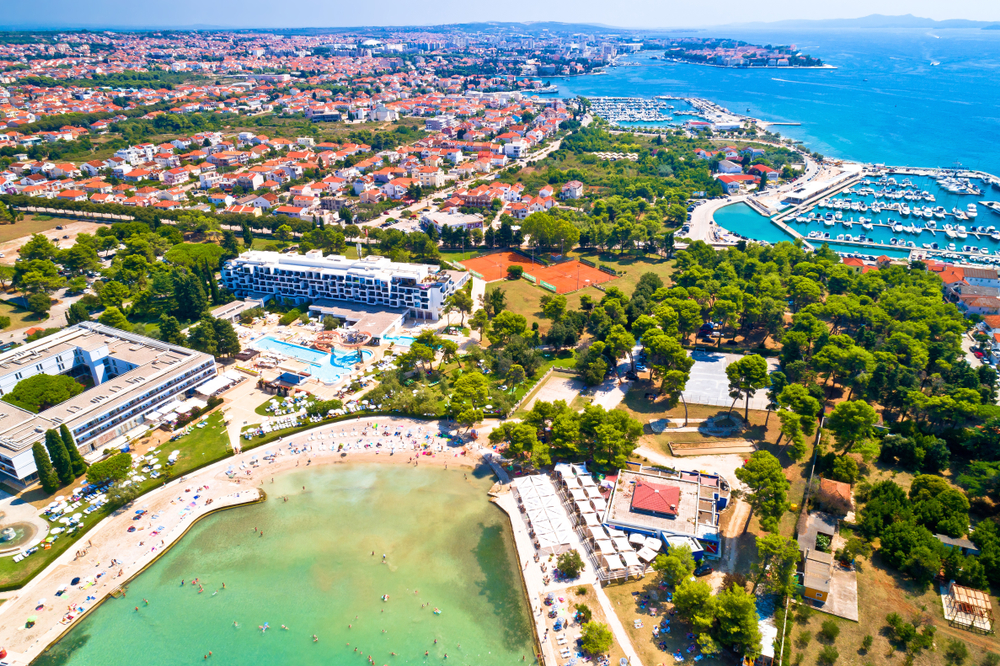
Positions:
{"x": 328, "y": 368}
{"x": 401, "y": 340}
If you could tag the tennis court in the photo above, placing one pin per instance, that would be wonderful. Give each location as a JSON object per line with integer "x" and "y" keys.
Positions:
{"x": 565, "y": 277}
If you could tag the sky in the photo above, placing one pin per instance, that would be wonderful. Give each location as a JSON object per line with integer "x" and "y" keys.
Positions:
{"x": 327, "y": 13}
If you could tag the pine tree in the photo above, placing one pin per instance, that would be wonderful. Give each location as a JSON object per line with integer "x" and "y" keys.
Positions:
{"x": 213, "y": 286}
{"x": 227, "y": 341}
{"x": 170, "y": 330}
{"x": 75, "y": 459}
{"x": 59, "y": 456}
{"x": 190, "y": 296}
{"x": 247, "y": 235}
{"x": 46, "y": 475}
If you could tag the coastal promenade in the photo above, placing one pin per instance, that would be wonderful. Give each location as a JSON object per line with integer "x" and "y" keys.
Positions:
{"x": 112, "y": 556}
{"x": 537, "y": 589}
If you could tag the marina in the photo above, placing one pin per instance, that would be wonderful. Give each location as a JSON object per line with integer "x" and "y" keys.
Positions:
{"x": 665, "y": 111}
{"x": 914, "y": 213}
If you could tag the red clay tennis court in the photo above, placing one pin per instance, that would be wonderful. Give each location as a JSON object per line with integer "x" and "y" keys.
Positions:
{"x": 565, "y": 277}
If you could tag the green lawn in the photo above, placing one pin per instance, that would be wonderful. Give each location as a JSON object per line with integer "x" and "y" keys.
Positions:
{"x": 31, "y": 224}
{"x": 201, "y": 447}
{"x": 19, "y": 317}
{"x": 632, "y": 266}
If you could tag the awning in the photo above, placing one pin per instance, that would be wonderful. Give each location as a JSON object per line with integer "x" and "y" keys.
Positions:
{"x": 622, "y": 545}
{"x": 613, "y": 562}
{"x": 653, "y": 544}
{"x": 605, "y": 547}
{"x": 646, "y": 555}
{"x": 630, "y": 559}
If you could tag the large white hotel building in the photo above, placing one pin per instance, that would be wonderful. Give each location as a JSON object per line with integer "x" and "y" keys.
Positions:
{"x": 373, "y": 281}
{"x": 133, "y": 376}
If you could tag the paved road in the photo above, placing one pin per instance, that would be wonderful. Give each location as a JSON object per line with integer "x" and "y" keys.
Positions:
{"x": 57, "y": 317}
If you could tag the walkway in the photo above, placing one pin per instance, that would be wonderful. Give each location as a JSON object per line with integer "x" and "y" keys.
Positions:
{"x": 537, "y": 589}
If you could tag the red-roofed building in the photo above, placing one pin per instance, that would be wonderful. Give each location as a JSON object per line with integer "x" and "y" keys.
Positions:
{"x": 656, "y": 498}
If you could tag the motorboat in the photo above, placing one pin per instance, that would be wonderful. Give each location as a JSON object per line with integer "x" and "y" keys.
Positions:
{"x": 961, "y": 232}
{"x": 971, "y": 211}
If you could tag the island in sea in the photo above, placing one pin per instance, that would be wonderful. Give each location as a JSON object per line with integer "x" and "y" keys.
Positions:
{"x": 731, "y": 53}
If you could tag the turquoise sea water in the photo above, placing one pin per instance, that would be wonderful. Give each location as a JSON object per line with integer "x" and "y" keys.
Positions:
{"x": 885, "y": 102}
{"x": 326, "y": 367}
{"x": 313, "y": 572}
{"x": 744, "y": 220}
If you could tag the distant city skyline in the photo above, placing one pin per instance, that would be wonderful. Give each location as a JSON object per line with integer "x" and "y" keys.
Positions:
{"x": 636, "y": 14}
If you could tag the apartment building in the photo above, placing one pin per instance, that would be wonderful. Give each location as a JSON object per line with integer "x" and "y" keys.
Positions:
{"x": 133, "y": 376}
{"x": 419, "y": 288}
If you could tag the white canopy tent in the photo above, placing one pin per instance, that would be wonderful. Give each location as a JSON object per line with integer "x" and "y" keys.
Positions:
{"x": 630, "y": 559}
{"x": 613, "y": 562}
{"x": 605, "y": 547}
{"x": 653, "y": 544}
{"x": 646, "y": 555}
{"x": 636, "y": 539}
{"x": 622, "y": 544}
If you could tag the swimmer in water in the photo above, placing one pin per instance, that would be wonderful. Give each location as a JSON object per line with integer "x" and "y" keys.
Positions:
{"x": 236, "y": 624}
{"x": 315, "y": 637}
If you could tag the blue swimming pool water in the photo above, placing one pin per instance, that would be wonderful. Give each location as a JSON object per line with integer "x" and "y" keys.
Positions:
{"x": 401, "y": 340}
{"x": 325, "y": 367}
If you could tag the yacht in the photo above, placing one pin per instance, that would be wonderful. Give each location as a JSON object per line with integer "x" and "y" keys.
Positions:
{"x": 995, "y": 235}
{"x": 951, "y": 246}
{"x": 971, "y": 211}
{"x": 897, "y": 228}
{"x": 961, "y": 232}
{"x": 959, "y": 215}
{"x": 828, "y": 222}
{"x": 904, "y": 210}
{"x": 931, "y": 224}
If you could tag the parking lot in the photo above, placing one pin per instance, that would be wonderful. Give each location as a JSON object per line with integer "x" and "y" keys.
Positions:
{"x": 709, "y": 384}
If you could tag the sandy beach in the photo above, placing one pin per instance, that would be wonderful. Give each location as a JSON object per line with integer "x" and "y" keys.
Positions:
{"x": 111, "y": 555}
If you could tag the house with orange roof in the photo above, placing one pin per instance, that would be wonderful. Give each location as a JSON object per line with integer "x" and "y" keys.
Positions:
{"x": 72, "y": 195}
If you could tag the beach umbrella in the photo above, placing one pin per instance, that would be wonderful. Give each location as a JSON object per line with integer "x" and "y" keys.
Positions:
{"x": 41, "y": 602}
{"x": 77, "y": 516}
{"x": 75, "y": 581}
{"x": 32, "y": 618}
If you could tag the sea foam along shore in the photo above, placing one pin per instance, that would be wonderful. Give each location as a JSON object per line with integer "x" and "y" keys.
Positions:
{"x": 112, "y": 556}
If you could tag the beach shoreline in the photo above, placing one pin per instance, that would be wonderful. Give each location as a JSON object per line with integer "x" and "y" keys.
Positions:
{"x": 217, "y": 488}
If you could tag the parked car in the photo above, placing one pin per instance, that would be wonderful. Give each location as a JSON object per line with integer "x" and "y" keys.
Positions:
{"x": 703, "y": 570}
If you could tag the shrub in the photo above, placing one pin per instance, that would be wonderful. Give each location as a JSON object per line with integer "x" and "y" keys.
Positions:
{"x": 514, "y": 271}
{"x": 289, "y": 317}
{"x": 585, "y": 613}
{"x": 830, "y": 630}
{"x": 596, "y": 637}
{"x": 114, "y": 468}
{"x": 956, "y": 653}
{"x": 570, "y": 563}
{"x": 866, "y": 642}
{"x": 991, "y": 659}
{"x": 803, "y": 639}
{"x": 828, "y": 655}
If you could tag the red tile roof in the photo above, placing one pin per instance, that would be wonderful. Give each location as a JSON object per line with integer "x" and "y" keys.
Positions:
{"x": 656, "y": 498}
